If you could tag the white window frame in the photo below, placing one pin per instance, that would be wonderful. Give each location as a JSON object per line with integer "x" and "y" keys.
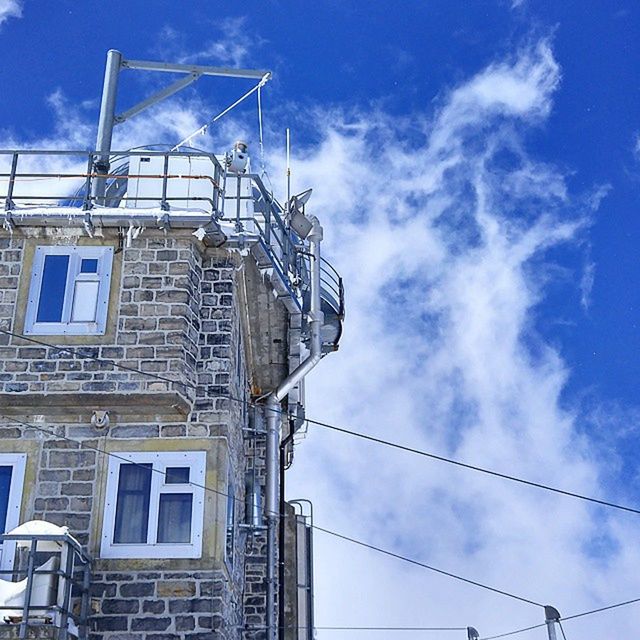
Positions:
{"x": 18, "y": 461}
{"x": 104, "y": 255}
{"x": 196, "y": 461}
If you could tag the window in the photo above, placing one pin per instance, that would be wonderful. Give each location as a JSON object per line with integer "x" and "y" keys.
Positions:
{"x": 11, "y": 483}
{"x": 154, "y": 505}
{"x": 69, "y": 291}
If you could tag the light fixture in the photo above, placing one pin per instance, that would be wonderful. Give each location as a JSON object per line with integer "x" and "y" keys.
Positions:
{"x": 297, "y": 218}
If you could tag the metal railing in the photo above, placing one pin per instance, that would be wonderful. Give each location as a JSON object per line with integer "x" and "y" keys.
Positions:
{"x": 80, "y": 175}
{"x": 52, "y": 599}
{"x": 175, "y": 182}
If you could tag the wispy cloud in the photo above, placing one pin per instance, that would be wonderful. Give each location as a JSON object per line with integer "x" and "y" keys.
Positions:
{"x": 10, "y": 9}
{"x": 436, "y": 223}
{"x": 233, "y": 45}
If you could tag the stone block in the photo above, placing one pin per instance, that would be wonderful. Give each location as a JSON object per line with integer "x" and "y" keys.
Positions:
{"x": 176, "y": 589}
{"x": 137, "y": 590}
{"x": 150, "y": 624}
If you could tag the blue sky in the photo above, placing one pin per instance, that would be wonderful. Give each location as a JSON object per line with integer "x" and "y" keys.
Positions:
{"x": 401, "y": 59}
{"x": 477, "y": 167}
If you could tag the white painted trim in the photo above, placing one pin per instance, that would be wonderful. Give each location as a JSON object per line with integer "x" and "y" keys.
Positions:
{"x": 196, "y": 461}
{"x": 104, "y": 255}
{"x": 19, "y": 462}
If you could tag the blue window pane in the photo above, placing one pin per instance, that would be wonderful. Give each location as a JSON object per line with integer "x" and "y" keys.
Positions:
{"x": 5, "y": 486}
{"x": 54, "y": 282}
{"x": 89, "y": 265}
{"x": 174, "y": 517}
{"x": 177, "y": 475}
{"x": 132, "y": 507}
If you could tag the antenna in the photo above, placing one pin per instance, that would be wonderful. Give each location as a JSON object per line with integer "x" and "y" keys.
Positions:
{"x": 288, "y": 171}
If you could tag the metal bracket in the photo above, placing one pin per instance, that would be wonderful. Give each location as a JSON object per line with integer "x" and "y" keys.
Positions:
{"x": 157, "y": 97}
{"x": 8, "y": 224}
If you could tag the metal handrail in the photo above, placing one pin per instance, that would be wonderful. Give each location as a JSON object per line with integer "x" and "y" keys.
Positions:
{"x": 284, "y": 247}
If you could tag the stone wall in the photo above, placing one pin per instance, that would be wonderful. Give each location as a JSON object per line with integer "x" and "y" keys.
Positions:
{"x": 176, "y": 315}
{"x": 153, "y": 326}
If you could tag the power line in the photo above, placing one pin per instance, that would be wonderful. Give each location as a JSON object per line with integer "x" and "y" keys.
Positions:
{"x": 472, "y": 467}
{"x": 562, "y": 630}
{"x": 513, "y": 633}
{"x": 81, "y": 445}
{"x": 426, "y": 566}
{"x": 326, "y": 425}
{"x": 352, "y": 628}
{"x": 564, "y": 619}
{"x": 611, "y": 606}
{"x": 388, "y": 628}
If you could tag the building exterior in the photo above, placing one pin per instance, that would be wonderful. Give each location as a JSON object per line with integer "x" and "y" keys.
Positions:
{"x": 153, "y": 306}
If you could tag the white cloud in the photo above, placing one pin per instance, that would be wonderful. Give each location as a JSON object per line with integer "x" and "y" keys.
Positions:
{"x": 10, "y": 9}
{"x": 435, "y": 235}
{"x": 233, "y": 46}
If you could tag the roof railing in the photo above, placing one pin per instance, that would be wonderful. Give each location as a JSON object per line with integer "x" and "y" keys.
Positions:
{"x": 41, "y": 179}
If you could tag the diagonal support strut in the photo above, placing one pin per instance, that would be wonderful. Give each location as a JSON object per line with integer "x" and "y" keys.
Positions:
{"x": 181, "y": 83}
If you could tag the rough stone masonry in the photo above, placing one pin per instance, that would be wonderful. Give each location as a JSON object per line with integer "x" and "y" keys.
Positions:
{"x": 176, "y": 310}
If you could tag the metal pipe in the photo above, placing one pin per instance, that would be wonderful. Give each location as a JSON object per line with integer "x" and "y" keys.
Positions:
{"x": 8, "y": 204}
{"x": 31, "y": 563}
{"x": 171, "y": 67}
{"x": 281, "y": 526}
{"x": 273, "y": 416}
{"x": 107, "y": 119}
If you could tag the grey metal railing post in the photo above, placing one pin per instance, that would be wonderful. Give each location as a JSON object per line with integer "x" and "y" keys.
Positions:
{"x": 216, "y": 189}
{"x": 8, "y": 204}
{"x": 68, "y": 582}
{"x": 87, "y": 204}
{"x": 224, "y": 187}
{"x": 267, "y": 226}
{"x": 27, "y": 596}
{"x": 164, "y": 205}
{"x": 84, "y": 607}
{"x": 238, "y": 191}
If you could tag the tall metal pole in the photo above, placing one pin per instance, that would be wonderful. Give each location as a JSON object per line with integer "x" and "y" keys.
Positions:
{"x": 551, "y": 616}
{"x": 107, "y": 120}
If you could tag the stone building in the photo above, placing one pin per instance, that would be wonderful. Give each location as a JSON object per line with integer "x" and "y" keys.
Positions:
{"x": 150, "y": 301}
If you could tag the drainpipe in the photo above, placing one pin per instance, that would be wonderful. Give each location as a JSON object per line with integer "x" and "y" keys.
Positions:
{"x": 274, "y": 415}
{"x": 281, "y": 530}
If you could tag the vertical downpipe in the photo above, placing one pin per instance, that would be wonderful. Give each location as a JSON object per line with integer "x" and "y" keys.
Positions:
{"x": 106, "y": 121}
{"x": 271, "y": 502}
{"x": 273, "y": 416}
